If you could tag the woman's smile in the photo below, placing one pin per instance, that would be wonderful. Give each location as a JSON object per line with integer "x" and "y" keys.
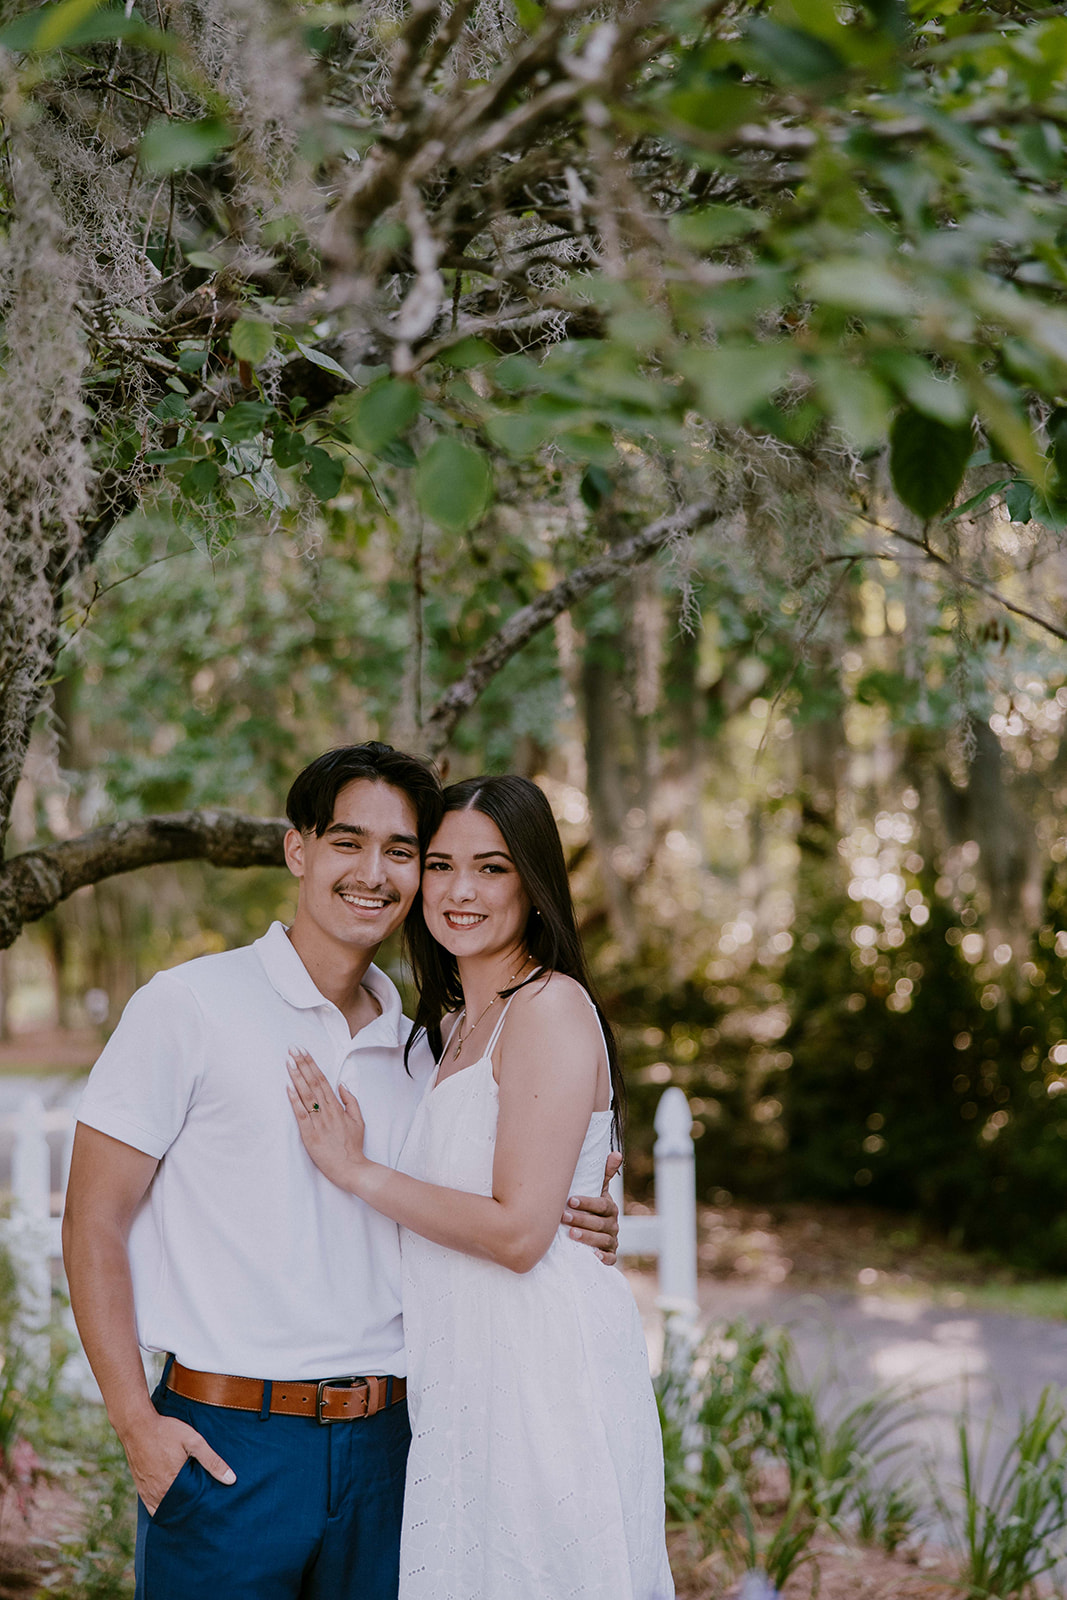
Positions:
{"x": 471, "y": 892}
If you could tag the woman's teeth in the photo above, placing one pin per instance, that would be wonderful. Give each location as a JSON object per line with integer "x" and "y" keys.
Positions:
{"x": 461, "y": 919}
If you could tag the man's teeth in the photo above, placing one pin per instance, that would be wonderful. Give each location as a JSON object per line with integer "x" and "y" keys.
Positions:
{"x": 364, "y": 901}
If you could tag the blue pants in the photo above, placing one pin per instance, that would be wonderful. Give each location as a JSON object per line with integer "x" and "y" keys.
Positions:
{"x": 314, "y": 1515}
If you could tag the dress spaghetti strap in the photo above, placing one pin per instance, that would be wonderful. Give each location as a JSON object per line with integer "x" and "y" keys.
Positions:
{"x": 495, "y": 1035}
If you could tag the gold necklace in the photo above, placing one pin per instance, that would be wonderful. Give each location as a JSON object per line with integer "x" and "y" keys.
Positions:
{"x": 463, "y": 1037}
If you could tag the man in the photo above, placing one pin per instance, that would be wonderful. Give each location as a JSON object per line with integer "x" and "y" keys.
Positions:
{"x": 197, "y": 1225}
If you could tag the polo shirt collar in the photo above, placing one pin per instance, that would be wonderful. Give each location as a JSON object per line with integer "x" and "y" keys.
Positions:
{"x": 292, "y": 980}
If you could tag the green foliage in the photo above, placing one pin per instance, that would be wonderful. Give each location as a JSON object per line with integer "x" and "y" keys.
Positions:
{"x": 95, "y": 1562}
{"x": 67, "y": 24}
{"x": 912, "y": 1086}
{"x": 914, "y": 258}
{"x": 252, "y": 340}
{"x": 387, "y": 410}
{"x": 1010, "y": 1531}
{"x": 169, "y": 146}
{"x": 927, "y": 459}
{"x": 738, "y": 1420}
{"x": 453, "y": 483}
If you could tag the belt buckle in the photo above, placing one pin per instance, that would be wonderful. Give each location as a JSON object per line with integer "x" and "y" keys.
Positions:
{"x": 334, "y": 1383}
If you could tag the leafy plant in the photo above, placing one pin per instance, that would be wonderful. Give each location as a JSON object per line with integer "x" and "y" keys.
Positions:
{"x": 886, "y": 1513}
{"x": 96, "y": 1562}
{"x": 1011, "y": 1534}
{"x": 757, "y": 1464}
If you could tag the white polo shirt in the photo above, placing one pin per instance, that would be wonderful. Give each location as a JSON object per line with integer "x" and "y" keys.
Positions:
{"x": 245, "y": 1259}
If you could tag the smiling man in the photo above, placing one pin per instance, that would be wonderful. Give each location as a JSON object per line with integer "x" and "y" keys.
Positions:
{"x": 196, "y": 1224}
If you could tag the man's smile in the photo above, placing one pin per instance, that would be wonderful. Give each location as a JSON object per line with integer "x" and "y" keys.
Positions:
{"x": 366, "y": 902}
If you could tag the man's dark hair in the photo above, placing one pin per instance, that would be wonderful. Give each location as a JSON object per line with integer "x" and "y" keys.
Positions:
{"x": 310, "y": 802}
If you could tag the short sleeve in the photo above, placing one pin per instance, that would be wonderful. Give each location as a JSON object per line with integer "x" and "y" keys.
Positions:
{"x": 143, "y": 1083}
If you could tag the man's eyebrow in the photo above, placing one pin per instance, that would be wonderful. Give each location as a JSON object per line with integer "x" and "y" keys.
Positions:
{"x": 354, "y": 829}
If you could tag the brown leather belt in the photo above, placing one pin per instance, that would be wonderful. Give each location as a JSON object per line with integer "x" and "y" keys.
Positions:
{"x": 332, "y": 1400}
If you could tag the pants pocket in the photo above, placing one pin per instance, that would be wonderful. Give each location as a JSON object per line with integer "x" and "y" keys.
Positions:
{"x": 183, "y": 1493}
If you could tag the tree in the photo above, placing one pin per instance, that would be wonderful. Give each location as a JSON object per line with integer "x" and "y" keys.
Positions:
{"x": 254, "y": 254}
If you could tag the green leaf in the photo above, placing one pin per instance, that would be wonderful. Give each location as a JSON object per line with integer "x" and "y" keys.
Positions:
{"x": 595, "y": 487}
{"x": 588, "y": 444}
{"x": 171, "y": 146}
{"x": 1019, "y": 499}
{"x": 386, "y": 410}
{"x": 858, "y": 403}
{"x": 205, "y": 260}
{"x": 288, "y": 447}
{"x": 252, "y": 340}
{"x": 858, "y": 284}
{"x": 519, "y": 432}
{"x": 714, "y": 106}
{"x": 734, "y": 379}
{"x": 200, "y": 479}
{"x": 468, "y": 353}
{"x": 324, "y": 474}
{"x": 934, "y": 397}
{"x": 927, "y": 460}
{"x": 791, "y": 54}
{"x": 193, "y": 360}
{"x": 516, "y": 373}
{"x": 171, "y": 408}
{"x": 715, "y": 225}
{"x": 245, "y": 420}
{"x": 70, "y": 23}
{"x": 453, "y": 483}
{"x": 398, "y": 454}
{"x": 530, "y": 15}
{"x": 319, "y": 358}
{"x": 980, "y": 499}
{"x": 168, "y": 458}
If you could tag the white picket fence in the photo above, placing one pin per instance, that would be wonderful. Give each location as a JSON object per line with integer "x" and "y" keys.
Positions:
{"x": 32, "y": 1231}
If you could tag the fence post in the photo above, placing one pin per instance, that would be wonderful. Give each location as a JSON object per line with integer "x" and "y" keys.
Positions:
{"x": 677, "y": 1212}
{"x": 29, "y": 1230}
{"x": 676, "y": 1205}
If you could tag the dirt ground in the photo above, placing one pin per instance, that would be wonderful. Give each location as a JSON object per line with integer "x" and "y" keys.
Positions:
{"x": 824, "y": 1247}
{"x": 839, "y": 1572}
{"x": 28, "y": 1536}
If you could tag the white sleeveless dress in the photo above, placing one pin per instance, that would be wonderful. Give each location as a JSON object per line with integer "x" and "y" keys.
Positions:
{"x": 536, "y": 1466}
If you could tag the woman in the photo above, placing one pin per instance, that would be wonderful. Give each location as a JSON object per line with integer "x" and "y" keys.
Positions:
{"x": 536, "y": 1468}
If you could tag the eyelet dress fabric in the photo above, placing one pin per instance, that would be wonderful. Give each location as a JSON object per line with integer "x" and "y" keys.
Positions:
{"x": 536, "y": 1466}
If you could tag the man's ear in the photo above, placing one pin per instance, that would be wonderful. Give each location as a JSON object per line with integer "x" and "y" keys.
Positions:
{"x": 293, "y": 846}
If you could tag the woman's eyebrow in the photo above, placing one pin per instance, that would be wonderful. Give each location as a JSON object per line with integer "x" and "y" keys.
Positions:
{"x": 485, "y": 854}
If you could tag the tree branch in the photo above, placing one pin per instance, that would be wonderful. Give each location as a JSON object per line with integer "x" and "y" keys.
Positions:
{"x": 959, "y": 576}
{"x": 33, "y": 883}
{"x": 523, "y": 624}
